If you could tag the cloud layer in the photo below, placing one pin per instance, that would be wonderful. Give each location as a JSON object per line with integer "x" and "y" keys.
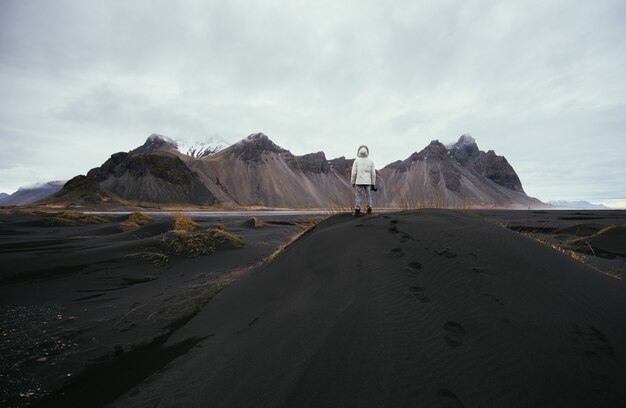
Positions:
{"x": 539, "y": 82}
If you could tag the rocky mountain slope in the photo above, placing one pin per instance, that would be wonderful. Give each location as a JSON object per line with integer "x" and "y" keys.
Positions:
{"x": 255, "y": 172}
{"x": 457, "y": 175}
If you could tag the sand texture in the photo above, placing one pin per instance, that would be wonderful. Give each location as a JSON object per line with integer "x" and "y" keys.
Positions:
{"x": 429, "y": 308}
{"x": 93, "y": 298}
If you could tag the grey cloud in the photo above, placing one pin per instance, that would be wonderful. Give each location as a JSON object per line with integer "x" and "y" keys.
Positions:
{"x": 538, "y": 82}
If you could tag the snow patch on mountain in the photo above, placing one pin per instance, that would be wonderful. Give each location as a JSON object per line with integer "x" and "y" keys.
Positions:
{"x": 197, "y": 148}
{"x": 200, "y": 149}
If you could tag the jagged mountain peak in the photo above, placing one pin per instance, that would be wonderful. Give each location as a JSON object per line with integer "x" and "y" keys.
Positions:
{"x": 252, "y": 147}
{"x": 434, "y": 151}
{"x": 465, "y": 150}
{"x": 156, "y": 142}
{"x": 155, "y": 137}
{"x": 261, "y": 141}
{"x": 254, "y": 137}
{"x": 466, "y": 139}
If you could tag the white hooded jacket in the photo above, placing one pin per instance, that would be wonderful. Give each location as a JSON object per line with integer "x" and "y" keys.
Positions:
{"x": 363, "y": 170}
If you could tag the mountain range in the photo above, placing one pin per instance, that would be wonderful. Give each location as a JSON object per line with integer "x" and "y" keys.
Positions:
{"x": 255, "y": 172}
{"x": 31, "y": 194}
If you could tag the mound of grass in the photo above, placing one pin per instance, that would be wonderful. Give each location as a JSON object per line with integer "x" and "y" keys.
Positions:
{"x": 135, "y": 220}
{"x": 184, "y": 223}
{"x": 226, "y": 239}
{"x": 75, "y": 219}
{"x": 198, "y": 243}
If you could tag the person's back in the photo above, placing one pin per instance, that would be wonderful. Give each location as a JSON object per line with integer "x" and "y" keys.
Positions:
{"x": 363, "y": 178}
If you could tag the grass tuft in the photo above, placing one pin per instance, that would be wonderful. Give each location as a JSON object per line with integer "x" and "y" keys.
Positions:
{"x": 184, "y": 223}
{"x": 76, "y": 219}
{"x": 188, "y": 242}
{"x": 135, "y": 220}
{"x": 225, "y": 239}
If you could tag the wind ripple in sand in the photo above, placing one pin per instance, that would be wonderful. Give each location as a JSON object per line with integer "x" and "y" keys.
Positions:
{"x": 447, "y": 399}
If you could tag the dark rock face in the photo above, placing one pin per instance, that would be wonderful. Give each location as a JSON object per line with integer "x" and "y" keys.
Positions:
{"x": 252, "y": 148}
{"x": 435, "y": 151}
{"x": 465, "y": 151}
{"x": 156, "y": 177}
{"x": 436, "y": 156}
{"x": 312, "y": 163}
{"x": 489, "y": 165}
{"x": 342, "y": 166}
{"x": 110, "y": 167}
{"x": 83, "y": 190}
{"x": 166, "y": 168}
{"x": 497, "y": 169}
{"x": 81, "y": 184}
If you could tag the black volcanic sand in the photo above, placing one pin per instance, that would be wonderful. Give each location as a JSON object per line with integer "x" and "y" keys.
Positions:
{"x": 597, "y": 235}
{"x": 432, "y": 308}
{"x": 80, "y": 300}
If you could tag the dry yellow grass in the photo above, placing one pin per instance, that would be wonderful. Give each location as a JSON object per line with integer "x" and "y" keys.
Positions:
{"x": 135, "y": 220}
{"x": 181, "y": 241}
{"x": 74, "y": 219}
{"x": 223, "y": 238}
{"x": 184, "y": 223}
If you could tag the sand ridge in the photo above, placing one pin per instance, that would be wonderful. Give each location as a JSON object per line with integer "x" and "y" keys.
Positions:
{"x": 426, "y": 308}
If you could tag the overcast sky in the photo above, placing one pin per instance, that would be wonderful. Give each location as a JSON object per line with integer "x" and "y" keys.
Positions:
{"x": 540, "y": 82}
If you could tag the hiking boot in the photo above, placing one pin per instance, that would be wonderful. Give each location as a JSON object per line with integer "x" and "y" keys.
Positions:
{"x": 369, "y": 210}
{"x": 357, "y": 211}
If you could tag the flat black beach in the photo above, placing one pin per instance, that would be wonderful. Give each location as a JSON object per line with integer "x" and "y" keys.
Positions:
{"x": 415, "y": 309}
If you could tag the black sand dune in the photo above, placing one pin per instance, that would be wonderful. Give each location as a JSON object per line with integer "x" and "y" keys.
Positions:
{"x": 597, "y": 237}
{"x": 86, "y": 303}
{"x": 431, "y": 308}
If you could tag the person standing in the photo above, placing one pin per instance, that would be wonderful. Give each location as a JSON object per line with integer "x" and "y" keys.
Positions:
{"x": 363, "y": 179}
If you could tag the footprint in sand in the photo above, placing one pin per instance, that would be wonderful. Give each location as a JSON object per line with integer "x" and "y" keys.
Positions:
{"x": 393, "y": 229}
{"x": 396, "y": 253}
{"x": 447, "y": 399}
{"x": 414, "y": 267}
{"x": 418, "y": 293}
{"x": 454, "y": 334}
{"x": 395, "y": 221}
{"x": 446, "y": 252}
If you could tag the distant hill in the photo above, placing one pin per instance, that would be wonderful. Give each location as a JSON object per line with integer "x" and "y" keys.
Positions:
{"x": 31, "y": 194}
{"x": 255, "y": 172}
{"x": 577, "y": 205}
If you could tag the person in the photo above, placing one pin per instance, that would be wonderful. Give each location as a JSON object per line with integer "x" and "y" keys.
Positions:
{"x": 363, "y": 179}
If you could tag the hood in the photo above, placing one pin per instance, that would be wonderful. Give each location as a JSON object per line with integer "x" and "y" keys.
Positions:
{"x": 363, "y": 151}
